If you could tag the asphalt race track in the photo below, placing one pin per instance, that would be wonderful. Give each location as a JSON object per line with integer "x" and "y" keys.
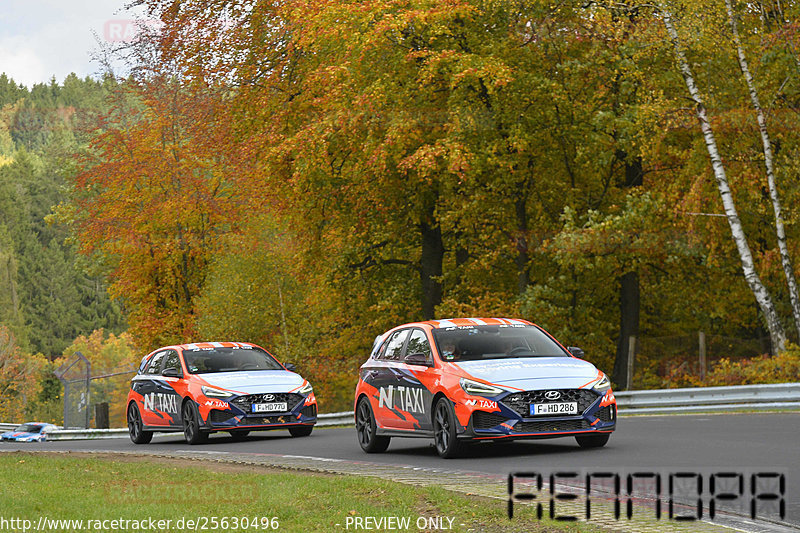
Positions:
{"x": 707, "y": 444}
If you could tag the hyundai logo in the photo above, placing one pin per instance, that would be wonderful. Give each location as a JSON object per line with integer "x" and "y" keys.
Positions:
{"x": 552, "y": 395}
{"x": 269, "y": 397}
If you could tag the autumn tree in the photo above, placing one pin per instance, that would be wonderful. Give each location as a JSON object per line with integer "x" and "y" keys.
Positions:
{"x": 20, "y": 373}
{"x": 473, "y": 157}
{"x": 151, "y": 199}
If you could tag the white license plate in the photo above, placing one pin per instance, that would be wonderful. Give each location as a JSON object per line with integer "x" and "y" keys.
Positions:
{"x": 564, "y": 408}
{"x": 269, "y": 407}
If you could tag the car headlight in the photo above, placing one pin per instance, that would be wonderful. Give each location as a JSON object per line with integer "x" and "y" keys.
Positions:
{"x": 480, "y": 389}
{"x": 306, "y": 389}
{"x": 603, "y": 385}
{"x": 211, "y": 392}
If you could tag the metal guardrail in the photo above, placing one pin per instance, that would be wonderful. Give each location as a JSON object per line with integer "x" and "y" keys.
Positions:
{"x": 345, "y": 418}
{"x": 87, "y": 434}
{"x": 687, "y": 400}
{"x": 324, "y": 419}
{"x": 701, "y": 399}
{"x": 709, "y": 399}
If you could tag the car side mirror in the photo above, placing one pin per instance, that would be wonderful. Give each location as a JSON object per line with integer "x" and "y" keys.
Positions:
{"x": 416, "y": 359}
{"x": 172, "y": 372}
{"x": 290, "y": 367}
{"x": 577, "y": 352}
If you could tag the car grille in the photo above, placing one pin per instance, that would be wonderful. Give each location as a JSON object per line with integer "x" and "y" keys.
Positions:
{"x": 259, "y": 420}
{"x": 218, "y": 417}
{"x": 309, "y": 411}
{"x": 546, "y": 426}
{"x": 484, "y": 420}
{"x": 520, "y": 401}
{"x": 244, "y": 402}
{"x": 606, "y": 414}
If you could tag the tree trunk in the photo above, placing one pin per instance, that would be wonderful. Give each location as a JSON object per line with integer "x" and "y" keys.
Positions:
{"x": 762, "y": 295}
{"x": 431, "y": 268}
{"x": 629, "y": 303}
{"x": 629, "y": 294}
{"x": 521, "y": 260}
{"x": 786, "y": 261}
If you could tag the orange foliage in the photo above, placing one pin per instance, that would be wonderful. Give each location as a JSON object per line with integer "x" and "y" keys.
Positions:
{"x": 154, "y": 194}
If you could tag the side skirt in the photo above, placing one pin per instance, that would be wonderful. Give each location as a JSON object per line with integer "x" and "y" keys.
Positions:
{"x": 421, "y": 433}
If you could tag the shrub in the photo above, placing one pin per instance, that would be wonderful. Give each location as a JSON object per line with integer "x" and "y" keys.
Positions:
{"x": 782, "y": 368}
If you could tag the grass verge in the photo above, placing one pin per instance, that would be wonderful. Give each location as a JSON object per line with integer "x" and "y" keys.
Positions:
{"x": 138, "y": 489}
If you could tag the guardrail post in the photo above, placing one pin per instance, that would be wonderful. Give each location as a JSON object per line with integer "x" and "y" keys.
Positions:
{"x": 101, "y": 415}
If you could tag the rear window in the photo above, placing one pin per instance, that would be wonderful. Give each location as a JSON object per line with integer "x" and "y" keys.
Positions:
{"x": 474, "y": 343}
{"x": 234, "y": 359}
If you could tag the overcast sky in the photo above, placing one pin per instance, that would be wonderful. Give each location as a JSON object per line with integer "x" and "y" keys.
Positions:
{"x": 44, "y": 38}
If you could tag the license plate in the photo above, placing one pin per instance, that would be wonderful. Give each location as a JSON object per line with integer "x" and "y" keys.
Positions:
{"x": 565, "y": 408}
{"x": 269, "y": 407}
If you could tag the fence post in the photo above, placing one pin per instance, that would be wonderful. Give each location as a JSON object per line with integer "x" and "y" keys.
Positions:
{"x": 66, "y": 404}
{"x": 88, "y": 391}
{"x": 701, "y": 340}
{"x": 631, "y": 354}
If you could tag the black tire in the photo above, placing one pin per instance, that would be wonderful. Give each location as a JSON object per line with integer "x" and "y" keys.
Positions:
{"x": 444, "y": 430}
{"x": 239, "y": 434}
{"x": 592, "y": 441}
{"x": 135, "y": 426}
{"x": 191, "y": 424}
{"x": 301, "y": 431}
{"x": 366, "y": 429}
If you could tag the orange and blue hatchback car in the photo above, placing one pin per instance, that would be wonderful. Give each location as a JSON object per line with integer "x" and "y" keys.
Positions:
{"x": 205, "y": 387}
{"x": 479, "y": 378}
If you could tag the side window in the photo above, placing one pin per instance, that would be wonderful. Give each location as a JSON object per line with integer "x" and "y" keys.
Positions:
{"x": 376, "y": 347}
{"x": 154, "y": 367}
{"x": 143, "y": 364}
{"x": 394, "y": 348}
{"x": 418, "y": 343}
{"x": 381, "y": 354}
{"x": 171, "y": 361}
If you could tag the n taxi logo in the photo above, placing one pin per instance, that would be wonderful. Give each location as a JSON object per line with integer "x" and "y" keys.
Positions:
{"x": 165, "y": 403}
{"x": 407, "y": 399}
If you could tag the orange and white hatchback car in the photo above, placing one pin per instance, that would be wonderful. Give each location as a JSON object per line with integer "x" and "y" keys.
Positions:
{"x": 199, "y": 388}
{"x": 479, "y": 378}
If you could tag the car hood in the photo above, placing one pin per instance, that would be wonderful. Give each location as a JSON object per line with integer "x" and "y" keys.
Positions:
{"x": 256, "y": 381}
{"x": 528, "y": 373}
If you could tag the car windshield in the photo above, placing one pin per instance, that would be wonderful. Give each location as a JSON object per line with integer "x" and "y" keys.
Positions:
{"x": 213, "y": 360}
{"x": 479, "y": 343}
{"x": 29, "y": 428}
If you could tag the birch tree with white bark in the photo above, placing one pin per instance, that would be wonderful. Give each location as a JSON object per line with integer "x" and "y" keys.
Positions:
{"x": 759, "y": 290}
{"x": 780, "y": 230}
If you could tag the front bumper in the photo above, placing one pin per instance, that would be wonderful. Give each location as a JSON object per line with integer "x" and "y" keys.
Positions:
{"x": 237, "y": 413}
{"x": 597, "y": 414}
